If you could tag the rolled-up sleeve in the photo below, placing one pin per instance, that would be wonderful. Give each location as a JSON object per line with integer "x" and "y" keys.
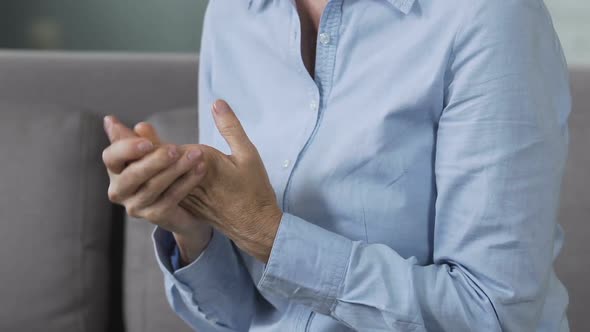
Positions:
{"x": 500, "y": 153}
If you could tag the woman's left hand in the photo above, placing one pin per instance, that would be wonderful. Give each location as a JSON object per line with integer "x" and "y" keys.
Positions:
{"x": 236, "y": 196}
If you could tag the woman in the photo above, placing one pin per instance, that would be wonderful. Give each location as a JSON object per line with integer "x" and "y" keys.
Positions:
{"x": 393, "y": 165}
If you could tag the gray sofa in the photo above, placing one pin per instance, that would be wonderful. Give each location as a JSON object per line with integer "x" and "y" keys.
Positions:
{"x": 71, "y": 261}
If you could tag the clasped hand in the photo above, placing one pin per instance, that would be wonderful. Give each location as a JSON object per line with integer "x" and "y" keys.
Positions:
{"x": 190, "y": 189}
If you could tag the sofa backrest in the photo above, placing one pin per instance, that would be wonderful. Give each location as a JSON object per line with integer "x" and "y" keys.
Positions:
{"x": 134, "y": 86}
{"x": 55, "y": 225}
{"x": 131, "y": 86}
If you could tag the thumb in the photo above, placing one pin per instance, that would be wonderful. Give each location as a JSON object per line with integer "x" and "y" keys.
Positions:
{"x": 146, "y": 130}
{"x": 231, "y": 129}
{"x": 116, "y": 130}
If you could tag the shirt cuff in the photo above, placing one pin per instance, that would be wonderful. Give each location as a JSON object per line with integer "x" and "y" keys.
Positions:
{"x": 175, "y": 258}
{"x": 215, "y": 287}
{"x": 307, "y": 264}
{"x": 201, "y": 270}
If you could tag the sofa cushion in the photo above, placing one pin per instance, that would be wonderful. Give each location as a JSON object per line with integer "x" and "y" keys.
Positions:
{"x": 146, "y": 308}
{"x": 54, "y": 220}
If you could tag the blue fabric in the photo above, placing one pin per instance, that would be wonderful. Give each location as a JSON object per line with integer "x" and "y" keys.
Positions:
{"x": 419, "y": 170}
{"x": 175, "y": 259}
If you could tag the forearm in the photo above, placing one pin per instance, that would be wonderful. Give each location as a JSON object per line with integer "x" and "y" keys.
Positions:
{"x": 257, "y": 242}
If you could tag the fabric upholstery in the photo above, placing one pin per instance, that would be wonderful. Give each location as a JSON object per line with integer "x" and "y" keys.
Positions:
{"x": 54, "y": 220}
{"x": 146, "y": 308}
{"x": 573, "y": 265}
{"x": 132, "y": 86}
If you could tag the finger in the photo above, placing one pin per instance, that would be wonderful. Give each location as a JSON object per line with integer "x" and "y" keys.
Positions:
{"x": 231, "y": 129}
{"x": 139, "y": 172}
{"x": 179, "y": 190}
{"x": 115, "y": 130}
{"x": 118, "y": 154}
{"x": 146, "y": 130}
{"x": 150, "y": 191}
{"x": 216, "y": 163}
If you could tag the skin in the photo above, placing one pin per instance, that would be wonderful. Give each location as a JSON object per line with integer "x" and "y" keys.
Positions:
{"x": 310, "y": 12}
{"x": 132, "y": 170}
{"x": 191, "y": 196}
{"x": 187, "y": 197}
{"x": 236, "y": 197}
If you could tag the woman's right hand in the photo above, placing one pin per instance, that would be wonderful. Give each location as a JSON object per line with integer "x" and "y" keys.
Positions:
{"x": 150, "y": 180}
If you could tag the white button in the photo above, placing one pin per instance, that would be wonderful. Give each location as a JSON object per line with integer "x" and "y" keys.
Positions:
{"x": 324, "y": 38}
{"x": 313, "y": 105}
{"x": 286, "y": 163}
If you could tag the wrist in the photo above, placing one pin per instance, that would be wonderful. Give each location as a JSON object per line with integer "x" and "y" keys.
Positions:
{"x": 259, "y": 244}
{"x": 191, "y": 245}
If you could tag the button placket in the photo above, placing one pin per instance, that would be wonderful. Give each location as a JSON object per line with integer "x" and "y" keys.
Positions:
{"x": 325, "y": 61}
{"x": 313, "y": 105}
{"x": 291, "y": 151}
{"x": 324, "y": 38}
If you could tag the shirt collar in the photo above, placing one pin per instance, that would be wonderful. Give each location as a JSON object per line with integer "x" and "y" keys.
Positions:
{"x": 403, "y": 6}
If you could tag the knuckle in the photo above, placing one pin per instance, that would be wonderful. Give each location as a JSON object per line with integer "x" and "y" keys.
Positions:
{"x": 155, "y": 214}
{"x": 146, "y": 195}
{"x": 253, "y": 149}
{"x": 133, "y": 210}
{"x": 196, "y": 178}
{"x": 106, "y": 158}
{"x": 113, "y": 194}
{"x": 139, "y": 200}
{"x": 252, "y": 159}
{"x": 164, "y": 150}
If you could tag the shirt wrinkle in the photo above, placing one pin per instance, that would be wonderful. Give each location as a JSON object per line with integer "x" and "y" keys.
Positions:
{"x": 418, "y": 177}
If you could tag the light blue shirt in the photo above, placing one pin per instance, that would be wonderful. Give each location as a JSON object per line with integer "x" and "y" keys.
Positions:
{"x": 419, "y": 171}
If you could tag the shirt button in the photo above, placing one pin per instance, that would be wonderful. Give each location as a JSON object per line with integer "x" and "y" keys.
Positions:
{"x": 286, "y": 163}
{"x": 313, "y": 105}
{"x": 324, "y": 38}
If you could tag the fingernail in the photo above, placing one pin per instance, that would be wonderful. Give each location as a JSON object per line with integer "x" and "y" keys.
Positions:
{"x": 172, "y": 152}
{"x": 194, "y": 155}
{"x": 220, "y": 107}
{"x": 145, "y": 146}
